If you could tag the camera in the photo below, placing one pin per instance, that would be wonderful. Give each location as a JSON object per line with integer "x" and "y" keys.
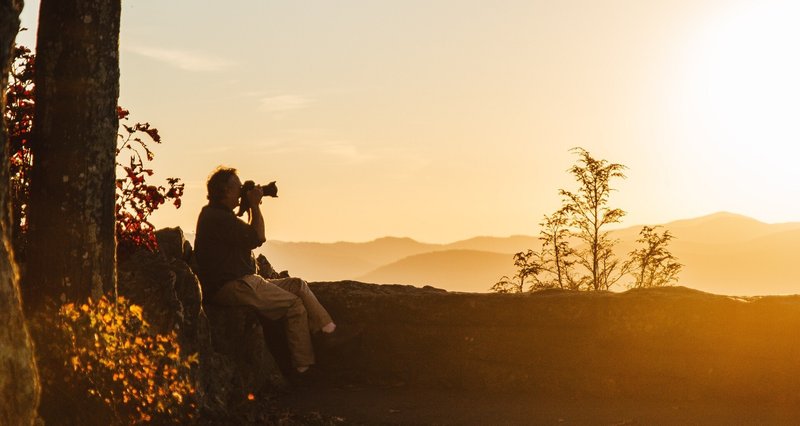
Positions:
{"x": 269, "y": 190}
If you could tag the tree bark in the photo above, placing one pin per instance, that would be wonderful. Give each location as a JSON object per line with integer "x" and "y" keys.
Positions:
{"x": 72, "y": 245}
{"x": 19, "y": 382}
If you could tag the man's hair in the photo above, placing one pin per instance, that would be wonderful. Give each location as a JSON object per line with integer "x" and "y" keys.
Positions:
{"x": 218, "y": 181}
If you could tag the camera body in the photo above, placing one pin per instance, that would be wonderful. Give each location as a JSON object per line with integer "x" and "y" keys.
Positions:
{"x": 269, "y": 190}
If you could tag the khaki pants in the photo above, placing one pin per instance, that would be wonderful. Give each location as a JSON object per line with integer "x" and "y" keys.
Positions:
{"x": 276, "y": 299}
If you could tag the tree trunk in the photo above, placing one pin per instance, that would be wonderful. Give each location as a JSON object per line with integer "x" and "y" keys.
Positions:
{"x": 72, "y": 245}
{"x": 19, "y": 382}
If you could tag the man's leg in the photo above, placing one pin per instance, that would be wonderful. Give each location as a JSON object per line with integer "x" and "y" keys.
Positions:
{"x": 273, "y": 303}
{"x": 318, "y": 315}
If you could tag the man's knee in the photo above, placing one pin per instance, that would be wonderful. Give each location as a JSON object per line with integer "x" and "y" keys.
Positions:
{"x": 295, "y": 285}
{"x": 297, "y": 308}
{"x": 302, "y": 284}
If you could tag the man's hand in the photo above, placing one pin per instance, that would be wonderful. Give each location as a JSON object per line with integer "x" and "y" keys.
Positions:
{"x": 254, "y": 197}
{"x": 256, "y": 219}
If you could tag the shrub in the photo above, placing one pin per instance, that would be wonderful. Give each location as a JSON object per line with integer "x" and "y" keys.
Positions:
{"x": 105, "y": 363}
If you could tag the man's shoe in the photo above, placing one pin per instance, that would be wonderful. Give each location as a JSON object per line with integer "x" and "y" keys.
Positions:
{"x": 342, "y": 336}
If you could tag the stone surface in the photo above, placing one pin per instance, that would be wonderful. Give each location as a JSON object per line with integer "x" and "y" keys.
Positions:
{"x": 669, "y": 343}
{"x": 172, "y": 243}
{"x": 150, "y": 280}
{"x": 266, "y": 270}
{"x": 234, "y": 358}
{"x": 236, "y": 332}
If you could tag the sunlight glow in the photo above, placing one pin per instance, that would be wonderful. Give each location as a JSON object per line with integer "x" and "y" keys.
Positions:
{"x": 741, "y": 104}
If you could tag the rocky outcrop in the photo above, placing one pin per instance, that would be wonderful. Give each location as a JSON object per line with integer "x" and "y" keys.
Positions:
{"x": 234, "y": 359}
{"x": 669, "y": 343}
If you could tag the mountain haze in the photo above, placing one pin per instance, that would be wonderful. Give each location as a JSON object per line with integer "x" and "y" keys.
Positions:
{"x": 348, "y": 261}
{"x": 341, "y": 260}
{"x": 512, "y": 244}
{"x": 463, "y": 270}
{"x": 722, "y": 253}
{"x": 722, "y": 228}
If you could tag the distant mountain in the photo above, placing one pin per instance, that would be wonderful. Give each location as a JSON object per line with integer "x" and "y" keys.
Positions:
{"x": 512, "y": 244}
{"x": 455, "y": 270}
{"x": 723, "y": 228}
{"x": 723, "y": 253}
{"x": 347, "y": 261}
{"x": 726, "y": 253}
{"x": 342, "y": 260}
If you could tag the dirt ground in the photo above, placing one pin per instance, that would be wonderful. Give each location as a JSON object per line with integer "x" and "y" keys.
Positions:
{"x": 414, "y": 406}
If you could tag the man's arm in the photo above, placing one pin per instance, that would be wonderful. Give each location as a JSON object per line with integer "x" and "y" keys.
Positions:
{"x": 256, "y": 218}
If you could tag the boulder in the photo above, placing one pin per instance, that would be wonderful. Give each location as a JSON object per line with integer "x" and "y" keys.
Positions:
{"x": 266, "y": 270}
{"x": 166, "y": 289}
{"x": 172, "y": 244}
{"x": 237, "y": 333}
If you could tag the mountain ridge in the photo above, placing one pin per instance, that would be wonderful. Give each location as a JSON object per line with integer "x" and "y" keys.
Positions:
{"x": 722, "y": 252}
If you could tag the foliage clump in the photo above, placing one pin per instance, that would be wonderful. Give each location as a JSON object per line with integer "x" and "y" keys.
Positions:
{"x": 102, "y": 358}
{"x": 526, "y": 268}
{"x": 18, "y": 116}
{"x": 136, "y": 199}
{"x": 653, "y": 265}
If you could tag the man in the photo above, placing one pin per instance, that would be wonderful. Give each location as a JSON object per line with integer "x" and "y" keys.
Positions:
{"x": 227, "y": 269}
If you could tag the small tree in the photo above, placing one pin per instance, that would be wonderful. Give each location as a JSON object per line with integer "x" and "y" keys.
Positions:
{"x": 590, "y": 215}
{"x": 653, "y": 265}
{"x": 527, "y": 267}
{"x": 556, "y": 257}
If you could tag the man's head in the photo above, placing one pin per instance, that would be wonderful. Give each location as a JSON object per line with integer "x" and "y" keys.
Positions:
{"x": 224, "y": 187}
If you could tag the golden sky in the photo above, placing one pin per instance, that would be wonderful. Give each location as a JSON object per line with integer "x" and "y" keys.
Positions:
{"x": 446, "y": 119}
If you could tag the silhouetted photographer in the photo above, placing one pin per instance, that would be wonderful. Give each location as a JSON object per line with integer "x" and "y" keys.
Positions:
{"x": 227, "y": 267}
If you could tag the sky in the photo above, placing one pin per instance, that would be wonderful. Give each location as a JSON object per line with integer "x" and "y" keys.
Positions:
{"x": 442, "y": 120}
